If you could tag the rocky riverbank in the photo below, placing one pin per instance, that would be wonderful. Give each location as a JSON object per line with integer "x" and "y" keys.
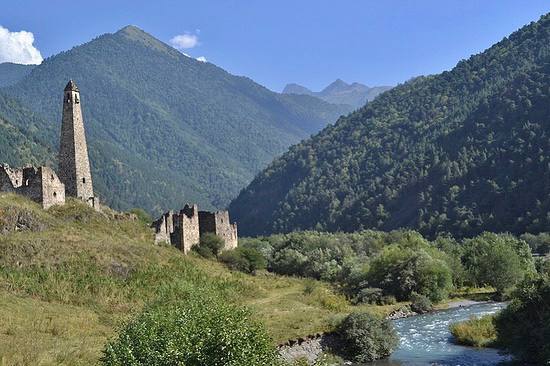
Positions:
{"x": 309, "y": 348}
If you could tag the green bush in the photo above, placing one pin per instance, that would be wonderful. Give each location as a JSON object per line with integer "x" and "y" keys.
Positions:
{"x": 247, "y": 260}
{"x": 475, "y": 332}
{"x": 543, "y": 265}
{"x": 197, "y": 332}
{"x": 369, "y": 295}
{"x": 366, "y": 337}
{"x": 400, "y": 271}
{"x": 210, "y": 245}
{"x": 420, "y": 303}
{"x": 523, "y": 327}
{"x": 497, "y": 260}
{"x": 388, "y": 300}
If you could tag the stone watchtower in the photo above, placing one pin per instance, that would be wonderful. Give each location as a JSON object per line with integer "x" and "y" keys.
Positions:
{"x": 74, "y": 165}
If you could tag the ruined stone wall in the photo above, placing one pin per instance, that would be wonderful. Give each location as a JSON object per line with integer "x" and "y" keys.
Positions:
{"x": 43, "y": 186}
{"x": 186, "y": 228}
{"x": 164, "y": 227}
{"x": 32, "y": 185}
{"x": 180, "y": 230}
{"x": 219, "y": 223}
{"x": 183, "y": 229}
{"x": 10, "y": 178}
{"x": 53, "y": 191}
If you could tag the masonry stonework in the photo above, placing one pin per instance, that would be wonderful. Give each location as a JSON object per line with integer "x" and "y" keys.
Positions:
{"x": 74, "y": 164}
{"x": 218, "y": 223}
{"x": 75, "y": 179}
{"x": 39, "y": 184}
{"x": 183, "y": 229}
{"x": 186, "y": 228}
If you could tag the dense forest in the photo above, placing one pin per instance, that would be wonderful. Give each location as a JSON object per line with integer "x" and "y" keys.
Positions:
{"x": 20, "y": 144}
{"x": 11, "y": 73}
{"x": 164, "y": 128}
{"x": 463, "y": 152}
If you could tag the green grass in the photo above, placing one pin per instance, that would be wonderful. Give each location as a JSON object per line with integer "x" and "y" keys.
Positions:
{"x": 475, "y": 332}
{"x": 72, "y": 277}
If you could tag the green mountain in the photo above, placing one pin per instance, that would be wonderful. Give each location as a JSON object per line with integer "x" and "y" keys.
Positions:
{"x": 340, "y": 92}
{"x": 464, "y": 151}
{"x": 164, "y": 128}
{"x": 19, "y": 142}
{"x": 11, "y": 73}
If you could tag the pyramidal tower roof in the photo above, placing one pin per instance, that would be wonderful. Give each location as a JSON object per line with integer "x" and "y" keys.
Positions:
{"x": 71, "y": 86}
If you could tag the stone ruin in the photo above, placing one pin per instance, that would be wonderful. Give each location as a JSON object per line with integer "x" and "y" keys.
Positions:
{"x": 42, "y": 184}
{"x": 183, "y": 229}
{"x": 39, "y": 184}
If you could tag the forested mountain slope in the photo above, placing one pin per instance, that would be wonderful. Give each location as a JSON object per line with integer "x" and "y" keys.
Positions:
{"x": 461, "y": 152}
{"x": 20, "y": 144}
{"x": 164, "y": 128}
{"x": 11, "y": 73}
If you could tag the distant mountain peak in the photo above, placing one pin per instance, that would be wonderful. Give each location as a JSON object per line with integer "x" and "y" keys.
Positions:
{"x": 131, "y": 29}
{"x": 340, "y": 92}
{"x": 293, "y": 88}
{"x": 135, "y": 33}
{"x": 336, "y": 86}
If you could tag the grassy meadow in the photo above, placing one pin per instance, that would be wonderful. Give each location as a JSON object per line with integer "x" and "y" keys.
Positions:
{"x": 71, "y": 277}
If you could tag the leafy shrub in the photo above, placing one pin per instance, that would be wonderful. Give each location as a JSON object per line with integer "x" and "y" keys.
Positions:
{"x": 543, "y": 266}
{"x": 538, "y": 243}
{"x": 400, "y": 271}
{"x": 475, "y": 332}
{"x": 497, "y": 260}
{"x": 369, "y": 295}
{"x": 247, "y": 260}
{"x": 366, "y": 337}
{"x": 420, "y": 303}
{"x": 210, "y": 245}
{"x": 388, "y": 300}
{"x": 523, "y": 327}
{"x": 197, "y": 332}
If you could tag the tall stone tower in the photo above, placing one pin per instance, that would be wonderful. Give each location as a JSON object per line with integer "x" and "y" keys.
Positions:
{"x": 74, "y": 165}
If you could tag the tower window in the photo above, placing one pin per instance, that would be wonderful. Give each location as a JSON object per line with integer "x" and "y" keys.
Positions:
{"x": 52, "y": 177}
{"x": 76, "y": 99}
{"x": 84, "y": 180}
{"x": 55, "y": 194}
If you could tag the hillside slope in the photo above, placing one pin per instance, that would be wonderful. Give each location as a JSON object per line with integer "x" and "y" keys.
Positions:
{"x": 11, "y": 73}
{"x": 71, "y": 277}
{"x": 464, "y": 151}
{"x": 164, "y": 128}
{"x": 20, "y": 144}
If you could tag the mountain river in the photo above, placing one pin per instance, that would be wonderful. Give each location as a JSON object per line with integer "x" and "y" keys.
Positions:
{"x": 426, "y": 340}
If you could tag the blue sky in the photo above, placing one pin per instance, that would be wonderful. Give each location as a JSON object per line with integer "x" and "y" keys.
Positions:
{"x": 308, "y": 42}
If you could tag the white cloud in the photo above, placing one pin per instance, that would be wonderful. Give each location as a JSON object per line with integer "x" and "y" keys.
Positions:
{"x": 17, "y": 47}
{"x": 202, "y": 59}
{"x": 184, "y": 41}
